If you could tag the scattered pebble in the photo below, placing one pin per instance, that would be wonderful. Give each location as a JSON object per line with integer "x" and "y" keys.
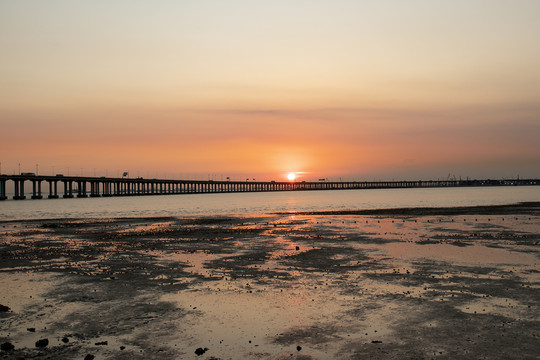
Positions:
{"x": 4, "y": 308}
{"x": 89, "y": 357}
{"x": 200, "y": 351}
{"x": 298, "y": 348}
{"x": 42, "y": 343}
{"x": 7, "y": 346}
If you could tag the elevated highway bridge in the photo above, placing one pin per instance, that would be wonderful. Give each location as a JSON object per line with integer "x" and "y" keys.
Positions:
{"x": 82, "y": 187}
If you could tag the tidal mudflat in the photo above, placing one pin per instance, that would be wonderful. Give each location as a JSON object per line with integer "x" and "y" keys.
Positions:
{"x": 390, "y": 284}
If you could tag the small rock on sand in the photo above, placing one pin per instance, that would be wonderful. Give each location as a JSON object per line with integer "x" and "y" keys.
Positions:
{"x": 4, "y": 308}
{"x": 42, "y": 343}
{"x": 7, "y": 346}
{"x": 298, "y": 348}
{"x": 200, "y": 351}
{"x": 89, "y": 357}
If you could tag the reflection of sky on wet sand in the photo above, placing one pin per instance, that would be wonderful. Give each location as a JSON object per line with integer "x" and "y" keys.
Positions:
{"x": 237, "y": 314}
{"x": 262, "y": 285}
{"x": 476, "y": 254}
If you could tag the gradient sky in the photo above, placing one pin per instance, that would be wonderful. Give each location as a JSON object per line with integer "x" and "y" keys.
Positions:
{"x": 349, "y": 89}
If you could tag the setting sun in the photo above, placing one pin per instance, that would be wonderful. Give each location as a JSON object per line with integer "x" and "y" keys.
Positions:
{"x": 291, "y": 176}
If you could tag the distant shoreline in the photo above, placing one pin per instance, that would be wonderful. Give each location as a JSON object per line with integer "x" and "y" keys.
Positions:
{"x": 531, "y": 208}
{"x": 527, "y": 208}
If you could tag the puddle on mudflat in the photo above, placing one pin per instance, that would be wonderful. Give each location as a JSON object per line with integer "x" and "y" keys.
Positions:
{"x": 194, "y": 260}
{"x": 506, "y": 307}
{"x": 22, "y": 289}
{"x": 474, "y": 254}
{"x": 243, "y": 323}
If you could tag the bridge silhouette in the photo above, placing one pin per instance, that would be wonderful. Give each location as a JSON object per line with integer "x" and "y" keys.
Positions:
{"x": 82, "y": 187}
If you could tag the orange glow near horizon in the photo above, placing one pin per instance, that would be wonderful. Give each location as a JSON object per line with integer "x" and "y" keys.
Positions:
{"x": 291, "y": 176}
{"x": 329, "y": 90}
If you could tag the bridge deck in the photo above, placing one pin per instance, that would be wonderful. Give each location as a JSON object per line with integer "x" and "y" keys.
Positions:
{"x": 103, "y": 186}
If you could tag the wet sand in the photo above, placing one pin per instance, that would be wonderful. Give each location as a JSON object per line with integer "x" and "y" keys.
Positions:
{"x": 383, "y": 284}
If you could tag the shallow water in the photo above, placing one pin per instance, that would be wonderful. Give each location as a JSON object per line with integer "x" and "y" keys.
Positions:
{"x": 244, "y": 203}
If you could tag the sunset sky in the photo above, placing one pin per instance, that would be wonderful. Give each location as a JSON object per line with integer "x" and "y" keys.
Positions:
{"x": 348, "y": 89}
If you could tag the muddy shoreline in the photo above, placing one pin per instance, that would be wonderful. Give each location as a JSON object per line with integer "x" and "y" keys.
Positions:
{"x": 530, "y": 208}
{"x": 417, "y": 283}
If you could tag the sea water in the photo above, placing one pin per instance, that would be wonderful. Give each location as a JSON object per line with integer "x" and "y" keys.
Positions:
{"x": 263, "y": 202}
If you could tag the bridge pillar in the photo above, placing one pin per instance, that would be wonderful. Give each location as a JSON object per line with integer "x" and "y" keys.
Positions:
{"x": 107, "y": 188}
{"x": 19, "y": 190}
{"x": 36, "y": 189}
{"x": 16, "y": 188}
{"x": 53, "y": 189}
{"x": 3, "y": 190}
{"x": 94, "y": 189}
{"x": 68, "y": 189}
{"x": 81, "y": 189}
